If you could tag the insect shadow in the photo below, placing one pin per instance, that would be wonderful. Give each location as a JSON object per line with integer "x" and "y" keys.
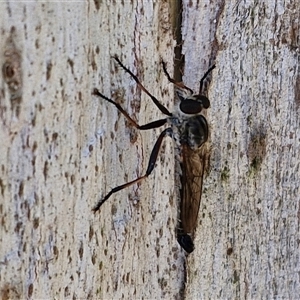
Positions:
{"x": 189, "y": 129}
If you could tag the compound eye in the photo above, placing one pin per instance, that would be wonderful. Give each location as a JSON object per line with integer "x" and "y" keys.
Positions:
{"x": 204, "y": 100}
{"x": 191, "y": 107}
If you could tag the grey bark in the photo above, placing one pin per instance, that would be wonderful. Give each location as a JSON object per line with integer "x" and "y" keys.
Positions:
{"x": 248, "y": 240}
{"x": 62, "y": 148}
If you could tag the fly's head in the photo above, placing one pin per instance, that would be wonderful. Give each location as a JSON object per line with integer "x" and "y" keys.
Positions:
{"x": 190, "y": 104}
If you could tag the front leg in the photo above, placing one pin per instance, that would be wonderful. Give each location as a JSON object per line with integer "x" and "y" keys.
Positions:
{"x": 150, "y": 125}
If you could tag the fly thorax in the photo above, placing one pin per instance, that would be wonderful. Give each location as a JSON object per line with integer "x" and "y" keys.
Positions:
{"x": 194, "y": 131}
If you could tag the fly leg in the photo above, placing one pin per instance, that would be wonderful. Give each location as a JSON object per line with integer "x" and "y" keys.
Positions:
{"x": 151, "y": 165}
{"x": 179, "y": 84}
{"x": 150, "y": 125}
{"x": 204, "y": 76}
{"x": 163, "y": 109}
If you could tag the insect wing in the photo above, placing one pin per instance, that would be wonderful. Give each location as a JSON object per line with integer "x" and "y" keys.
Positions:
{"x": 193, "y": 163}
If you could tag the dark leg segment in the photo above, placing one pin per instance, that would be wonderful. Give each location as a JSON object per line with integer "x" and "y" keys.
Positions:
{"x": 151, "y": 164}
{"x": 204, "y": 76}
{"x": 151, "y": 125}
{"x": 163, "y": 109}
{"x": 179, "y": 84}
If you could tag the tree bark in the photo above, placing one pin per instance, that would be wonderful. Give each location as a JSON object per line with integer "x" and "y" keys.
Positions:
{"x": 62, "y": 149}
{"x": 248, "y": 239}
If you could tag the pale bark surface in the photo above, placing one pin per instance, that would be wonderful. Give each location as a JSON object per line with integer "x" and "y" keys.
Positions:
{"x": 61, "y": 149}
{"x": 248, "y": 239}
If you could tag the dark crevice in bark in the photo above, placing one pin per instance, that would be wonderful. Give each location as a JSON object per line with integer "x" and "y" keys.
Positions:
{"x": 178, "y": 56}
{"x": 176, "y": 17}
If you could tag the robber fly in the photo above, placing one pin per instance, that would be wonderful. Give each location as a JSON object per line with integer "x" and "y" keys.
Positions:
{"x": 189, "y": 129}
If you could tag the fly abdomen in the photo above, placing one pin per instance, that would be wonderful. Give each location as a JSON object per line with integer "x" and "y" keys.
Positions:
{"x": 186, "y": 242}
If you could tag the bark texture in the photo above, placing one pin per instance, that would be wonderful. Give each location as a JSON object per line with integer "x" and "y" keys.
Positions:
{"x": 62, "y": 148}
{"x": 248, "y": 240}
